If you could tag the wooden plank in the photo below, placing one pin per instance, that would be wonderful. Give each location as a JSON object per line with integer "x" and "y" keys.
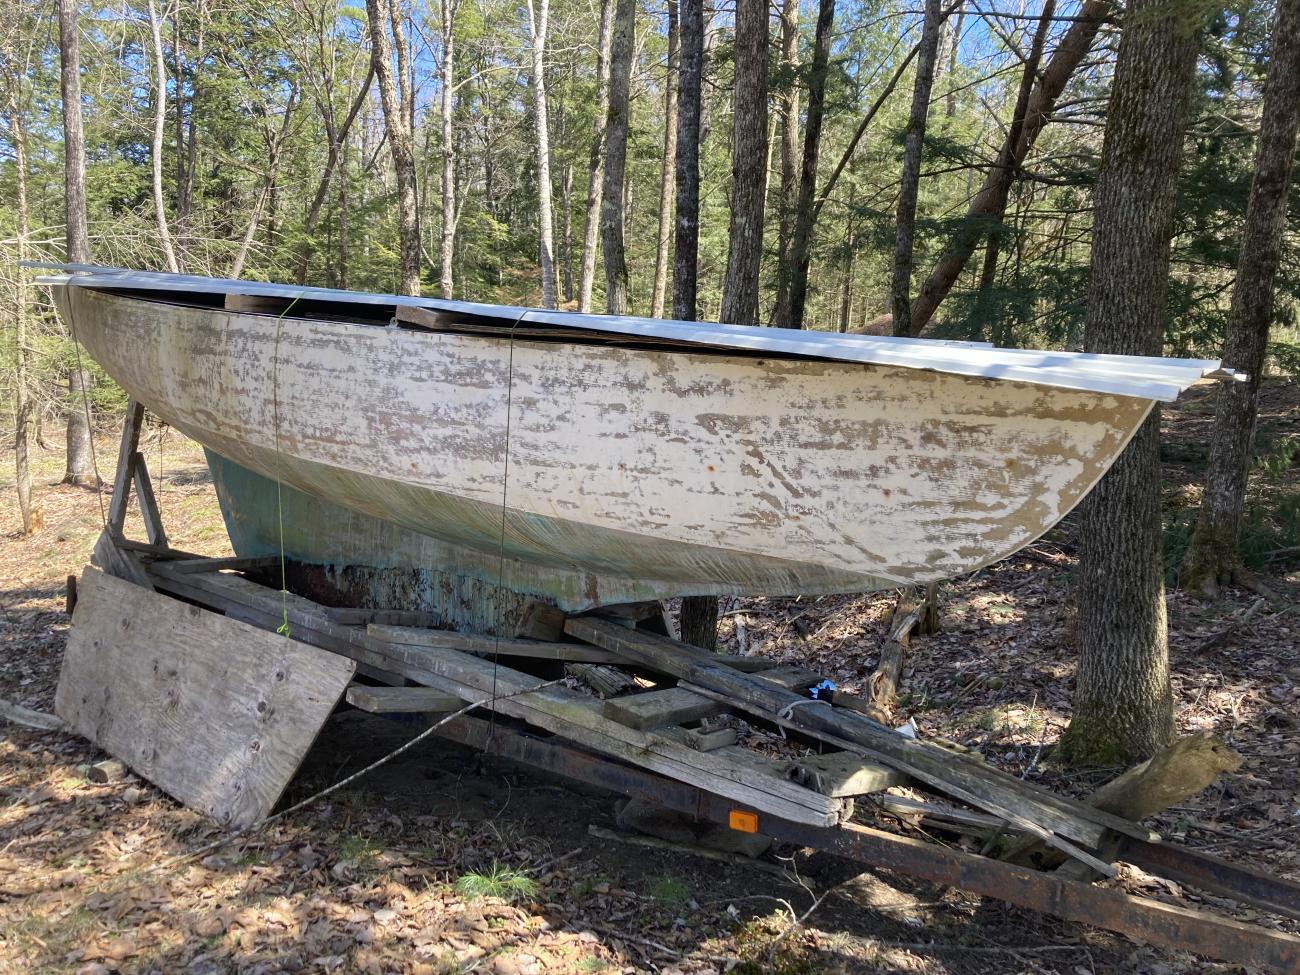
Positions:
{"x": 707, "y": 741}
{"x": 541, "y": 621}
{"x": 214, "y": 712}
{"x": 757, "y": 784}
{"x": 558, "y": 710}
{"x": 844, "y": 774}
{"x": 654, "y": 709}
{"x": 401, "y": 700}
{"x": 126, "y": 453}
{"x": 1001, "y": 795}
{"x": 153, "y": 524}
{"x": 411, "y": 636}
{"x": 604, "y": 680}
{"x": 117, "y": 561}
{"x": 355, "y": 616}
{"x": 258, "y": 304}
{"x": 678, "y": 705}
{"x": 186, "y": 566}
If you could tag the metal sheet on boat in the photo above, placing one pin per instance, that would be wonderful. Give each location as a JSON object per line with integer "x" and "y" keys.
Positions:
{"x": 1141, "y": 377}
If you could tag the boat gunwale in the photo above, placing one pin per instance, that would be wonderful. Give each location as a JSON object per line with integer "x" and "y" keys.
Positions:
{"x": 1139, "y": 377}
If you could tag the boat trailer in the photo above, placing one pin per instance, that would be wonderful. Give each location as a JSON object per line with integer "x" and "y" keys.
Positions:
{"x": 241, "y": 647}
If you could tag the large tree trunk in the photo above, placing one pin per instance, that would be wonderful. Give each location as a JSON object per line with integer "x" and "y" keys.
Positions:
{"x": 788, "y": 110}
{"x": 991, "y": 200}
{"x": 80, "y": 467}
{"x": 22, "y": 398}
{"x": 748, "y": 165}
{"x": 1123, "y": 706}
{"x": 699, "y": 614}
{"x": 687, "y": 224}
{"x": 447, "y": 235}
{"x": 156, "y": 149}
{"x": 74, "y": 146}
{"x": 1213, "y": 557}
{"x": 791, "y": 314}
{"x": 666, "y": 170}
{"x": 397, "y": 101}
{"x": 611, "y": 206}
{"x": 596, "y": 171}
{"x": 538, "y": 15}
{"x": 910, "y": 182}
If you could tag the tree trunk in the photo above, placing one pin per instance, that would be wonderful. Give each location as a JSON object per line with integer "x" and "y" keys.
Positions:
{"x": 791, "y": 315}
{"x": 666, "y": 170}
{"x": 1213, "y": 557}
{"x": 344, "y": 206}
{"x": 1123, "y": 706}
{"x": 748, "y": 165}
{"x": 74, "y": 148}
{"x": 789, "y": 112}
{"x": 611, "y": 207}
{"x": 909, "y": 184}
{"x": 566, "y": 246}
{"x": 991, "y": 200}
{"x": 397, "y": 101}
{"x": 22, "y": 399}
{"x": 275, "y": 148}
{"x": 156, "y": 150}
{"x": 850, "y": 253}
{"x": 596, "y": 171}
{"x": 954, "y": 52}
{"x": 699, "y": 614}
{"x": 538, "y": 15}
{"x": 687, "y": 230}
{"x": 79, "y": 468}
{"x": 988, "y": 274}
{"x": 447, "y": 237}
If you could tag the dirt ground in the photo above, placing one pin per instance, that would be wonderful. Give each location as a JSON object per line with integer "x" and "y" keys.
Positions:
{"x": 445, "y": 861}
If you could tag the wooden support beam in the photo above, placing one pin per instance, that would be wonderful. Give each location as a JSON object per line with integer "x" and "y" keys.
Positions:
{"x": 1051, "y": 817}
{"x": 410, "y": 636}
{"x": 153, "y": 525}
{"x": 127, "y": 451}
{"x": 114, "y": 558}
{"x": 541, "y": 621}
{"x": 555, "y": 709}
{"x": 402, "y": 700}
{"x": 844, "y": 774}
{"x": 747, "y": 778}
{"x": 654, "y": 709}
{"x": 186, "y": 566}
{"x": 707, "y": 741}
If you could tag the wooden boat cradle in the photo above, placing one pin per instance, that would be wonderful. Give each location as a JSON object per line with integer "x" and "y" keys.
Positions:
{"x": 646, "y": 743}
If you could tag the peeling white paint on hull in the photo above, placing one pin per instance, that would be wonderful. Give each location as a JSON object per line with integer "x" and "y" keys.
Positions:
{"x": 690, "y": 471}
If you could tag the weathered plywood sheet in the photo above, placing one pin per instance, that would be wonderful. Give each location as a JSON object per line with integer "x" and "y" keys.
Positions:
{"x": 214, "y": 712}
{"x": 701, "y": 472}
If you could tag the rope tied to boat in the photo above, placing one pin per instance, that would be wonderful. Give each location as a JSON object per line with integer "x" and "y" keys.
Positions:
{"x": 501, "y": 539}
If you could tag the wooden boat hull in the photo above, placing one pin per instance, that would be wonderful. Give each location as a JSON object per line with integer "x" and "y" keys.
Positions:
{"x": 677, "y": 472}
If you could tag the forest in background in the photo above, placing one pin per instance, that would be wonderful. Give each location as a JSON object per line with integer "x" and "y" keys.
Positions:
{"x": 1003, "y": 172}
{"x": 275, "y": 161}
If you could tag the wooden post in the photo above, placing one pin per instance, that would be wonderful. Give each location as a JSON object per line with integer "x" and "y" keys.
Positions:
{"x": 127, "y": 453}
